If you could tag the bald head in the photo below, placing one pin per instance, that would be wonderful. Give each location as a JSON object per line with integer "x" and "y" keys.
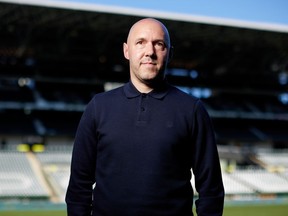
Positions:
{"x": 155, "y": 24}
{"x": 148, "y": 50}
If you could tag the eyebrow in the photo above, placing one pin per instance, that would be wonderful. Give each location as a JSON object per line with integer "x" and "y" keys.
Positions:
{"x": 156, "y": 40}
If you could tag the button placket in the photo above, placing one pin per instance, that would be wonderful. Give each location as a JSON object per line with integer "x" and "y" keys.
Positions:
{"x": 143, "y": 108}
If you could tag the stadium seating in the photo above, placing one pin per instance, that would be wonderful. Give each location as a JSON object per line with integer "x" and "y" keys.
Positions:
{"x": 17, "y": 178}
{"x": 278, "y": 159}
{"x": 56, "y": 166}
{"x": 233, "y": 186}
{"x": 262, "y": 181}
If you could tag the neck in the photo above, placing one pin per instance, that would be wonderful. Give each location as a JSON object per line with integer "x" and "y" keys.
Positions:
{"x": 142, "y": 87}
{"x": 148, "y": 87}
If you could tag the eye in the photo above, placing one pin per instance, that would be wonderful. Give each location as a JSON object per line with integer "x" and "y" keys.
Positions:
{"x": 160, "y": 45}
{"x": 140, "y": 44}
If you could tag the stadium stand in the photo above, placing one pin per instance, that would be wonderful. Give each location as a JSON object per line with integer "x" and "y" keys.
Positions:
{"x": 48, "y": 76}
{"x": 262, "y": 181}
{"x": 55, "y": 163}
{"x": 276, "y": 159}
{"x": 233, "y": 186}
{"x": 18, "y": 179}
{"x": 16, "y": 122}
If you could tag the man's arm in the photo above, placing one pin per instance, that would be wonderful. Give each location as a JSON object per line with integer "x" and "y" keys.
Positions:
{"x": 206, "y": 166}
{"x": 82, "y": 177}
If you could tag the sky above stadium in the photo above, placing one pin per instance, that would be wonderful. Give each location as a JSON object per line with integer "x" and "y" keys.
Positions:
{"x": 271, "y": 11}
{"x": 256, "y": 14}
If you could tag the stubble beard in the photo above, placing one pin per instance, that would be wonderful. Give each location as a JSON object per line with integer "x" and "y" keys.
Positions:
{"x": 155, "y": 80}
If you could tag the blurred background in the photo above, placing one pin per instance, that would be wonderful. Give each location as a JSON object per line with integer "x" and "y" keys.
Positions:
{"x": 55, "y": 55}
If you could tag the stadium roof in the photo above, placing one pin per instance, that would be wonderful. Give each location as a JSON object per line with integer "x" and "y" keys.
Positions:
{"x": 68, "y": 38}
{"x": 257, "y": 14}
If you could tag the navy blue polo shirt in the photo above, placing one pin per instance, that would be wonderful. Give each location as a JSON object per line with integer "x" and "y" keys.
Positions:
{"x": 139, "y": 149}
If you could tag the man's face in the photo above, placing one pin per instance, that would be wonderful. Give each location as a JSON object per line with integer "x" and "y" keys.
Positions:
{"x": 147, "y": 50}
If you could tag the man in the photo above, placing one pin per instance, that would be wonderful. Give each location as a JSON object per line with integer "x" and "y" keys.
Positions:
{"x": 139, "y": 142}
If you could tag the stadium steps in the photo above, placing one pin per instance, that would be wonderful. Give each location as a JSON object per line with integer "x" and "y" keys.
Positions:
{"x": 18, "y": 179}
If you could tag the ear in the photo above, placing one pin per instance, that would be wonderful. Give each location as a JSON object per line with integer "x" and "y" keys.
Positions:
{"x": 125, "y": 51}
{"x": 171, "y": 52}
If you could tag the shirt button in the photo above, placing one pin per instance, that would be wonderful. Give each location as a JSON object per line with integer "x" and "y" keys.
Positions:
{"x": 142, "y": 109}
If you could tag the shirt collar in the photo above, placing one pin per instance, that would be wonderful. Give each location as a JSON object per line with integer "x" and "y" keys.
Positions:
{"x": 158, "y": 93}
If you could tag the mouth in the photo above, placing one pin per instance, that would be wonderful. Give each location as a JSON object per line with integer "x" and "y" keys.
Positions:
{"x": 148, "y": 63}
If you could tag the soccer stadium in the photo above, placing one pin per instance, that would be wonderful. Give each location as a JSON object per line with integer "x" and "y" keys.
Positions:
{"x": 55, "y": 55}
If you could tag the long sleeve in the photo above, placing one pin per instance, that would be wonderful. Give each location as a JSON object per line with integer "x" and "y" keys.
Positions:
{"x": 82, "y": 178}
{"x": 206, "y": 166}
{"x": 142, "y": 151}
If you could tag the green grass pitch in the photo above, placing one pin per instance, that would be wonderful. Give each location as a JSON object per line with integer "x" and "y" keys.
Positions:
{"x": 263, "y": 210}
{"x": 249, "y": 210}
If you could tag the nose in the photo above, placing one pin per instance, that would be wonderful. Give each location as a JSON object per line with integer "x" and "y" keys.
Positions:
{"x": 150, "y": 51}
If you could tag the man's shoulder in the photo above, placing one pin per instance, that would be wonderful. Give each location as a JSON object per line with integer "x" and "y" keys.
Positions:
{"x": 110, "y": 93}
{"x": 182, "y": 95}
